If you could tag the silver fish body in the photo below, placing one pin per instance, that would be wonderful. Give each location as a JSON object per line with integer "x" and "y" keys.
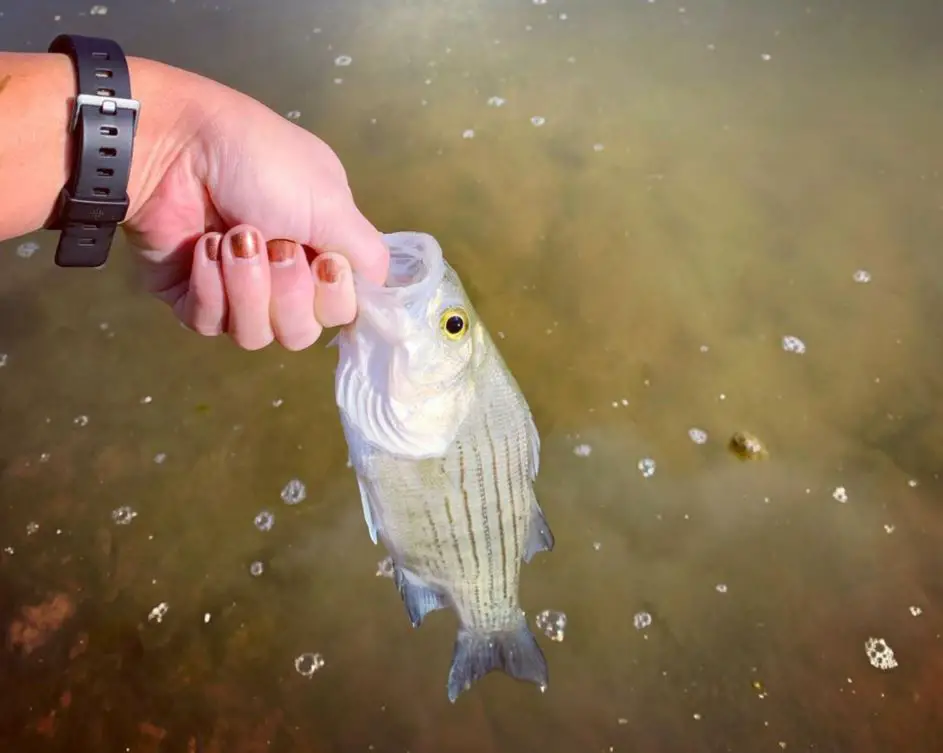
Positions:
{"x": 446, "y": 452}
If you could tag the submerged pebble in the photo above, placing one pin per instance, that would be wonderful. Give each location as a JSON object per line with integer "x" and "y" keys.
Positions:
{"x": 880, "y": 654}
{"x": 294, "y": 492}
{"x": 309, "y": 663}
{"x": 747, "y": 446}
{"x": 552, "y": 624}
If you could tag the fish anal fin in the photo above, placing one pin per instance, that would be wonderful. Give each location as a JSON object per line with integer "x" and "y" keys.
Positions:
{"x": 514, "y": 652}
{"x": 418, "y": 598}
{"x": 539, "y": 536}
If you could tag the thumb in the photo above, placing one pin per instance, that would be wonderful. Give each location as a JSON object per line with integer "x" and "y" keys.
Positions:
{"x": 338, "y": 226}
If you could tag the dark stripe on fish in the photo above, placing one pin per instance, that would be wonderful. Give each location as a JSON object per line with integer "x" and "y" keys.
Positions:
{"x": 468, "y": 519}
{"x": 485, "y": 525}
{"x": 501, "y": 501}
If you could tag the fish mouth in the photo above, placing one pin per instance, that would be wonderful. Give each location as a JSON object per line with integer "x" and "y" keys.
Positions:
{"x": 416, "y": 270}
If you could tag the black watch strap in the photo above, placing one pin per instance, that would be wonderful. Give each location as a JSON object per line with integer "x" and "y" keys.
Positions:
{"x": 104, "y": 120}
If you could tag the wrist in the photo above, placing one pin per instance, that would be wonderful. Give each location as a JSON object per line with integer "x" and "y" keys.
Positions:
{"x": 36, "y": 148}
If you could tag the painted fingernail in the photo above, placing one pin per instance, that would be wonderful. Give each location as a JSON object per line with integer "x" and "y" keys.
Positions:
{"x": 281, "y": 252}
{"x": 212, "y": 246}
{"x": 244, "y": 245}
{"x": 329, "y": 271}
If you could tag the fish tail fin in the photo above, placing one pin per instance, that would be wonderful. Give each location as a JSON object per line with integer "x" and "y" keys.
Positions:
{"x": 515, "y": 652}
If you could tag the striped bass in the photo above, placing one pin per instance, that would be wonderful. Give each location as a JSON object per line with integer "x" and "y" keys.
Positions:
{"x": 445, "y": 451}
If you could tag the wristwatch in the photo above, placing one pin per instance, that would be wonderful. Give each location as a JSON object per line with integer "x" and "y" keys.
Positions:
{"x": 103, "y": 124}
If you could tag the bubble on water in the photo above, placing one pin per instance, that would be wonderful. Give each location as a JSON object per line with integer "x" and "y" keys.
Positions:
{"x": 552, "y": 624}
{"x": 3, "y": 359}
{"x": 538, "y": 120}
{"x": 31, "y": 528}
{"x": 342, "y": 61}
{"x": 840, "y": 495}
{"x": 539, "y": 2}
{"x": 307, "y": 664}
{"x": 642, "y": 620}
{"x": 597, "y": 545}
{"x": 385, "y": 568}
{"x": 8, "y": 550}
{"x": 468, "y": 133}
{"x": 880, "y": 654}
{"x": 338, "y": 81}
{"x": 26, "y": 250}
{"x": 698, "y": 436}
{"x": 160, "y": 457}
{"x": 598, "y": 147}
{"x": 792, "y": 344}
{"x": 256, "y": 569}
{"x": 206, "y": 618}
{"x": 888, "y": 528}
{"x": 766, "y": 56}
{"x": 277, "y": 402}
{"x": 264, "y": 521}
{"x": 582, "y": 450}
{"x": 294, "y": 492}
{"x": 98, "y": 10}
{"x": 496, "y": 101}
{"x": 862, "y": 276}
{"x": 563, "y": 16}
{"x": 80, "y": 420}
{"x": 647, "y": 467}
{"x": 157, "y": 613}
{"x": 912, "y": 483}
{"x": 146, "y": 400}
{"x": 721, "y": 588}
{"x": 44, "y": 457}
{"x": 293, "y": 114}
{"x": 123, "y": 515}
{"x": 916, "y": 611}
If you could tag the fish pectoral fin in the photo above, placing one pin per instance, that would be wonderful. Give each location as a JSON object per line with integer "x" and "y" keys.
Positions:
{"x": 539, "y": 537}
{"x": 514, "y": 652}
{"x": 419, "y": 598}
{"x": 368, "y": 513}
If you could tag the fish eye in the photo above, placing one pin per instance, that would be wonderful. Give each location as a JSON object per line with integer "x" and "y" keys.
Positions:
{"x": 453, "y": 323}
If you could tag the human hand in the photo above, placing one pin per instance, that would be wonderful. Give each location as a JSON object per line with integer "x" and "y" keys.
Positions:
{"x": 244, "y": 221}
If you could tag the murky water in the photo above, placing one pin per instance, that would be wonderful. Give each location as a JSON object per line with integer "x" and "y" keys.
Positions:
{"x": 644, "y": 200}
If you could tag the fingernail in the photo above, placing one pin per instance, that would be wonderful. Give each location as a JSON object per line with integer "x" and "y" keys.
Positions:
{"x": 281, "y": 252}
{"x": 244, "y": 245}
{"x": 212, "y": 247}
{"x": 329, "y": 271}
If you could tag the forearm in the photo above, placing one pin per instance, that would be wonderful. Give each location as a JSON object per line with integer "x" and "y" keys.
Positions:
{"x": 36, "y": 95}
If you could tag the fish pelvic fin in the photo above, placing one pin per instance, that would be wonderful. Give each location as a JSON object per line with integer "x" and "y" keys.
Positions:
{"x": 539, "y": 537}
{"x": 418, "y": 598}
{"x": 514, "y": 652}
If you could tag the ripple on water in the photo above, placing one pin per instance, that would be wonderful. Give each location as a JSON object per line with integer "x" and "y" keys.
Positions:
{"x": 264, "y": 521}
{"x": 308, "y": 663}
{"x": 294, "y": 492}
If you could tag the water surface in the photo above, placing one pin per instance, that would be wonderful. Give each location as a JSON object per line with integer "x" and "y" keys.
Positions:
{"x": 657, "y": 197}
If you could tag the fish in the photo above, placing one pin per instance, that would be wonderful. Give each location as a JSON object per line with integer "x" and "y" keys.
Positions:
{"x": 446, "y": 452}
